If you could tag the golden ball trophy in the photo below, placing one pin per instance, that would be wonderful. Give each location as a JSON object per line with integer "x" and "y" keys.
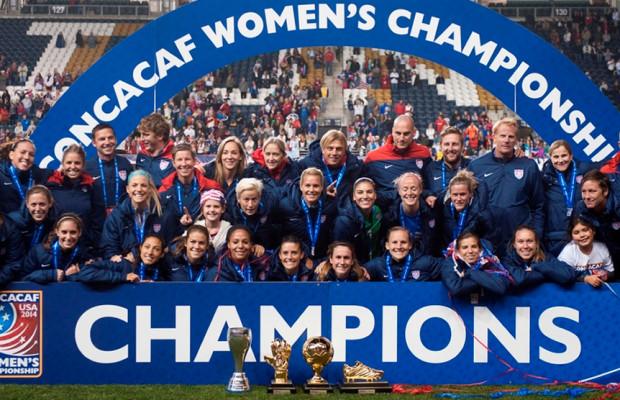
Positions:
{"x": 239, "y": 340}
{"x": 318, "y": 352}
{"x": 280, "y": 354}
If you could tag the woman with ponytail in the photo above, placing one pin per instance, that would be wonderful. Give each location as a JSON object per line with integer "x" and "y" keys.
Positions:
{"x": 192, "y": 256}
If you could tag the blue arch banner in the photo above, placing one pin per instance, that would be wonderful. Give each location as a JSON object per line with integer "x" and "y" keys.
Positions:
{"x": 153, "y": 64}
{"x": 145, "y": 334}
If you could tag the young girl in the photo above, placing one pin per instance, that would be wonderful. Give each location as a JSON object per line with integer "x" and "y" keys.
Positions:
{"x": 289, "y": 262}
{"x": 341, "y": 265}
{"x": 588, "y": 257}
{"x": 150, "y": 266}
{"x": 529, "y": 265}
{"x": 192, "y": 256}
{"x": 59, "y": 257}
{"x": 472, "y": 269}
{"x": 238, "y": 264}
{"x": 400, "y": 263}
{"x": 213, "y": 206}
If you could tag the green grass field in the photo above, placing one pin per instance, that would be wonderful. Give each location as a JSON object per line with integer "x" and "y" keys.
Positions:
{"x": 178, "y": 392}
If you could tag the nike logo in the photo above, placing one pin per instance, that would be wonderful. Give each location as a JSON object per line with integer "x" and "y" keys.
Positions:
{"x": 96, "y": 177}
{"x": 45, "y": 265}
{"x": 436, "y": 178}
{"x": 387, "y": 166}
{"x": 7, "y": 183}
{"x": 169, "y": 196}
{"x": 175, "y": 269}
{"x": 489, "y": 174}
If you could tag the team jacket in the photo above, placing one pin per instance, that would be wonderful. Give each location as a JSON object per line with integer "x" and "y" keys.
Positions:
{"x": 423, "y": 268}
{"x": 226, "y": 272}
{"x": 462, "y": 280}
{"x": 516, "y": 194}
{"x": 293, "y": 219}
{"x": 353, "y": 169}
{"x": 427, "y": 242}
{"x": 159, "y": 166}
{"x": 38, "y": 265}
{"x": 613, "y": 165}
{"x": 331, "y": 277}
{"x": 556, "y": 218}
{"x": 277, "y": 272}
{"x": 106, "y": 271}
{"x": 385, "y": 164}
{"x": 190, "y": 197}
{"x": 119, "y": 235}
{"x": 436, "y": 181}
{"x": 10, "y": 199}
{"x": 182, "y": 271}
{"x": 263, "y": 225}
{"x": 226, "y": 188}
{"x": 26, "y": 227}
{"x": 284, "y": 174}
{"x": 78, "y": 197}
{"x": 533, "y": 273}
{"x": 12, "y": 251}
{"x": 124, "y": 169}
{"x": 349, "y": 227}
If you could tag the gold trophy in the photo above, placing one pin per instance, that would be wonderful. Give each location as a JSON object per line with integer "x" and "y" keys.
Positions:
{"x": 280, "y": 354}
{"x": 362, "y": 379}
{"x": 239, "y": 340}
{"x": 318, "y": 352}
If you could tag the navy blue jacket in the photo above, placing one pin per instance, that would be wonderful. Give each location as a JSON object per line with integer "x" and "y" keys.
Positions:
{"x": 607, "y": 223}
{"x": 436, "y": 182}
{"x": 265, "y": 229}
{"x": 516, "y": 194}
{"x": 25, "y": 226}
{"x": 289, "y": 172}
{"x": 473, "y": 280}
{"x": 12, "y": 251}
{"x": 106, "y": 271}
{"x": 124, "y": 169}
{"x": 229, "y": 190}
{"x": 331, "y": 277}
{"x": 349, "y": 227}
{"x": 427, "y": 242}
{"x": 38, "y": 264}
{"x": 78, "y": 197}
{"x": 226, "y": 272}
{"x": 10, "y": 199}
{"x": 477, "y": 220}
{"x": 556, "y": 218}
{"x": 180, "y": 268}
{"x": 293, "y": 219}
{"x": 159, "y": 166}
{"x": 118, "y": 235}
{"x": 530, "y": 274}
{"x": 277, "y": 272}
{"x": 353, "y": 169}
{"x": 423, "y": 268}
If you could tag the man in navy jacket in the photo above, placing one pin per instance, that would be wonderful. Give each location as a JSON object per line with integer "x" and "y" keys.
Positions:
{"x": 515, "y": 185}
{"x": 156, "y": 154}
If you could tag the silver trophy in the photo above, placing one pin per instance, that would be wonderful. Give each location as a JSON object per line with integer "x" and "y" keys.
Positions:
{"x": 239, "y": 340}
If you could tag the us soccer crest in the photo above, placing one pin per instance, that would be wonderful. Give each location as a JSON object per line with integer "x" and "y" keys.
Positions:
{"x": 419, "y": 163}
{"x": 122, "y": 174}
{"x": 156, "y": 228}
{"x": 21, "y": 334}
{"x": 518, "y": 173}
{"x": 163, "y": 164}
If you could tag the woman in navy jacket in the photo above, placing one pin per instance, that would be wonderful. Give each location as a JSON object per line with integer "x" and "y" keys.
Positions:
{"x": 473, "y": 269}
{"x": 36, "y": 218}
{"x": 340, "y": 168}
{"x": 272, "y": 166}
{"x": 561, "y": 177}
{"x": 59, "y": 257}
{"x": 18, "y": 173}
{"x": 139, "y": 215}
{"x": 401, "y": 262}
{"x": 237, "y": 264}
{"x": 361, "y": 221}
{"x": 340, "y": 266}
{"x": 150, "y": 267}
{"x": 73, "y": 191}
{"x": 192, "y": 256}
{"x": 289, "y": 262}
{"x": 529, "y": 265}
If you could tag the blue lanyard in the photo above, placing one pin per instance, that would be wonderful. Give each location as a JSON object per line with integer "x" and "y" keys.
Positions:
{"x": 142, "y": 272}
{"x": 36, "y": 236}
{"x": 443, "y": 175}
{"x": 247, "y": 223}
{"x": 405, "y": 271}
{"x": 17, "y": 184}
{"x": 180, "y": 193}
{"x": 313, "y": 230}
{"x": 190, "y": 273}
{"x": 293, "y": 278}
{"x": 457, "y": 231}
{"x": 328, "y": 174}
{"x": 117, "y": 184}
{"x": 569, "y": 194}
{"x": 402, "y": 218}
{"x": 245, "y": 273}
{"x": 56, "y": 256}
{"x": 139, "y": 230}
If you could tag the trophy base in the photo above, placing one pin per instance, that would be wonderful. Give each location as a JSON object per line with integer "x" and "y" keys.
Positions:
{"x": 365, "y": 387}
{"x": 238, "y": 383}
{"x": 282, "y": 388}
{"x": 318, "y": 388}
